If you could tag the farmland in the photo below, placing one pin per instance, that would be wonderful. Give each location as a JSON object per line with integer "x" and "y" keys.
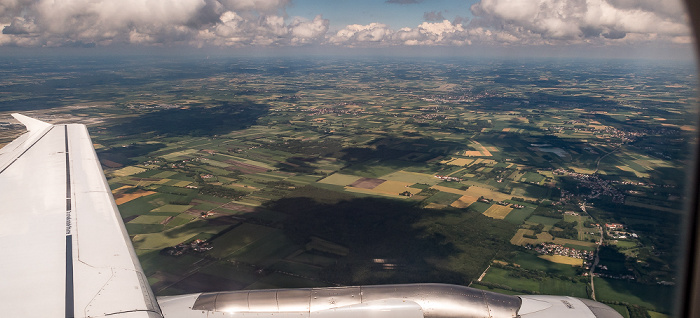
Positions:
{"x": 357, "y": 172}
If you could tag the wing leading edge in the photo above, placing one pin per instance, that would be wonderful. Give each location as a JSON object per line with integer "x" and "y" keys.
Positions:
{"x": 66, "y": 248}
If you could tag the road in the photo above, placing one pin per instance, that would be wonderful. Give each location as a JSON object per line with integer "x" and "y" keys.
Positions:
{"x": 597, "y": 258}
{"x": 597, "y": 163}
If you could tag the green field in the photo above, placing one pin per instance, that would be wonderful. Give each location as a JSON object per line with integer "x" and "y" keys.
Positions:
{"x": 622, "y": 309}
{"x": 238, "y": 238}
{"x": 144, "y": 204}
{"x": 443, "y": 198}
{"x": 412, "y": 177}
{"x": 654, "y": 297}
{"x": 538, "y": 219}
{"x": 480, "y": 207}
{"x": 548, "y": 286}
{"x": 148, "y": 219}
{"x": 174, "y": 236}
{"x": 532, "y": 177}
{"x": 172, "y": 208}
{"x": 518, "y": 216}
{"x": 265, "y": 251}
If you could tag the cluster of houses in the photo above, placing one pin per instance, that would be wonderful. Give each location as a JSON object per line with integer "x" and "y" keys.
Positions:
{"x": 556, "y": 249}
{"x": 598, "y": 186}
{"x": 182, "y": 248}
{"x": 617, "y": 231}
{"x": 448, "y": 178}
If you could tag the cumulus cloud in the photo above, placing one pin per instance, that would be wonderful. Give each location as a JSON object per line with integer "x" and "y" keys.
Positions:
{"x": 537, "y": 22}
{"x": 581, "y": 20}
{"x": 304, "y": 31}
{"x": 265, "y": 23}
{"x": 360, "y": 34}
{"x": 198, "y": 22}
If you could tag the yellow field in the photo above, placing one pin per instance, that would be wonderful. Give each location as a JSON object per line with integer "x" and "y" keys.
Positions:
{"x": 395, "y": 187}
{"x": 371, "y": 191}
{"x": 474, "y": 153}
{"x": 127, "y": 171}
{"x": 579, "y": 170}
{"x": 435, "y": 206}
{"x": 498, "y": 211}
{"x": 176, "y": 154}
{"x": 412, "y": 177}
{"x": 487, "y": 162}
{"x": 463, "y": 202}
{"x": 519, "y": 240}
{"x": 477, "y": 191}
{"x": 124, "y": 198}
{"x": 563, "y": 259}
{"x": 121, "y": 188}
{"x": 182, "y": 184}
{"x": 458, "y": 162}
{"x": 480, "y": 152}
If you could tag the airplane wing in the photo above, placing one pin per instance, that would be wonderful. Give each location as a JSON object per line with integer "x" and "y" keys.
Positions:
{"x": 65, "y": 248}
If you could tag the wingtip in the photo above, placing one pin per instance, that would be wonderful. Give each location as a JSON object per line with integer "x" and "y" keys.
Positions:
{"x": 31, "y": 123}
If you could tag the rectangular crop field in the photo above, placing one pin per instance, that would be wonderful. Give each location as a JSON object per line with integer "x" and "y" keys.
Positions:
{"x": 412, "y": 177}
{"x": 560, "y": 259}
{"x": 395, "y": 187}
{"x": 498, "y": 211}
{"x": 518, "y": 216}
{"x": 464, "y": 202}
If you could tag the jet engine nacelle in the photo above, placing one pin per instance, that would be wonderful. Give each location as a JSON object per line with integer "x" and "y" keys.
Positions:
{"x": 385, "y": 301}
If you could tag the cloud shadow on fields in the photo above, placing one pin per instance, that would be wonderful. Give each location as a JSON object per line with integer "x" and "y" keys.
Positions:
{"x": 449, "y": 246}
{"x": 199, "y": 121}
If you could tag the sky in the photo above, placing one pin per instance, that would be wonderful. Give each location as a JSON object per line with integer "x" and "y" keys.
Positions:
{"x": 613, "y": 27}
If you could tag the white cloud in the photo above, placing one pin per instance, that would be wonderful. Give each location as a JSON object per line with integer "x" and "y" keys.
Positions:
{"x": 265, "y": 23}
{"x": 197, "y": 22}
{"x": 304, "y": 31}
{"x": 358, "y": 34}
{"x": 582, "y": 20}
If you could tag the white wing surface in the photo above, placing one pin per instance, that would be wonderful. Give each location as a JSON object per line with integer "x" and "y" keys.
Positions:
{"x": 64, "y": 247}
